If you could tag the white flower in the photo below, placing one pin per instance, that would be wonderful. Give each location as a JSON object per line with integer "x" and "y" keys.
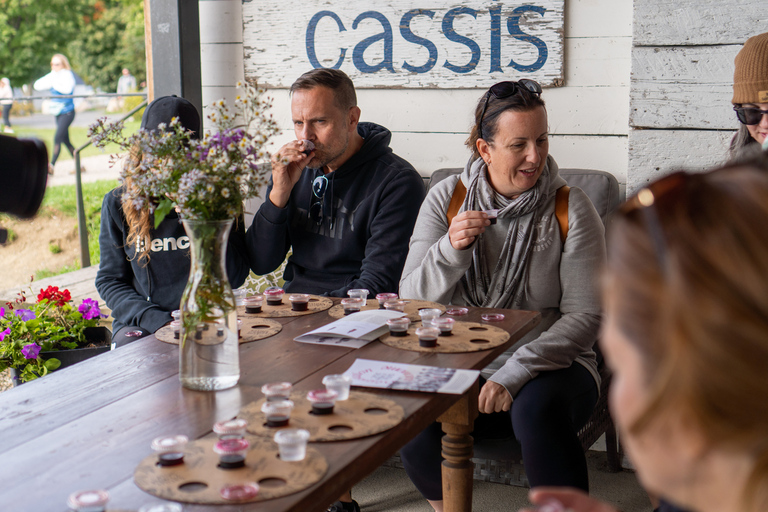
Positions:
{"x": 225, "y": 193}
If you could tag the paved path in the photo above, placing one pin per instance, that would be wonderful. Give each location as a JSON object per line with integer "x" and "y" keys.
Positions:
{"x": 96, "y": 168}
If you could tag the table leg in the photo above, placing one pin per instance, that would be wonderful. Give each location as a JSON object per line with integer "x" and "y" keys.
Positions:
{"x": 457, "y": 423}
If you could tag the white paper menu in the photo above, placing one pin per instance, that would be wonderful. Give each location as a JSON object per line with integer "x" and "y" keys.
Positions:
{"x": 353, "y": 331}
{"x": 410, "y": 377}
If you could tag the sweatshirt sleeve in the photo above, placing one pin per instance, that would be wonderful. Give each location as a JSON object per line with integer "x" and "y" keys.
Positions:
{"x": 267, "y": 241}
{"x": 387, "y": 248}
{"x": 62, "y": 82}
{"x": 237, "y": 254}
{"x": 575, "y": 332}
{"x": 114, "y": 279}
{"x": 433, "y": 267}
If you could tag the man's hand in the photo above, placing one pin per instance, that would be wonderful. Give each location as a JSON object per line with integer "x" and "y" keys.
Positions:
{"x": 561, "y": 499}
{"x": 287, "y": 165}
{"x": 465, "y": 227}
{"x": 493, "y": 398}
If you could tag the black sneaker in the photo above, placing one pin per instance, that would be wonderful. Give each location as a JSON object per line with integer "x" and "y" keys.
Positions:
{"x": 344, "y": 506}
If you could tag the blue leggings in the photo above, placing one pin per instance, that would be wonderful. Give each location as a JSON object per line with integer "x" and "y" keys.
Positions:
{"x": 545, "y": 417}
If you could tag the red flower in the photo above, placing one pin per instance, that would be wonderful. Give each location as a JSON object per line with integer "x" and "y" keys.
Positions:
{"x": 53, "y": 294}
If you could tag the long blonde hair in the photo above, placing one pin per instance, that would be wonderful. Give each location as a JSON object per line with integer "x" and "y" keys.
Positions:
{"x": 139, "y": 220}
{"x": 63, "y": 59}
{"x": 690, "y": 294}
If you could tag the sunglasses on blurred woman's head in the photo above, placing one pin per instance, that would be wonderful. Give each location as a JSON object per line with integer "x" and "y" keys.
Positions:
{"x": 750, "y": 115}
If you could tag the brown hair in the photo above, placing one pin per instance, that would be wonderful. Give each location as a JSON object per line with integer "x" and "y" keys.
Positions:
{"x": 334, "y": 79}
{"x": 522, "y": 101}
{"x": 698, "y": 312}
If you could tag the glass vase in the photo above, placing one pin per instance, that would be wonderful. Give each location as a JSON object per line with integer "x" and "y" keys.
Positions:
{"x": 208, "y": 344}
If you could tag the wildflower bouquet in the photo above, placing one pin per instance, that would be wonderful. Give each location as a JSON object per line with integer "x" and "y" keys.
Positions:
{"x": 205, "y": 179}
{"x": 50, "y": 324}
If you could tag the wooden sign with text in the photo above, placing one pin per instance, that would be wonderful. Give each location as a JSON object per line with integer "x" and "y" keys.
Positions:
{"x": 405, "y": 43}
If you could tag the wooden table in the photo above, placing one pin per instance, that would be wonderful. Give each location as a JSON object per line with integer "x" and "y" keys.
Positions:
{"x": 89, "y": 426}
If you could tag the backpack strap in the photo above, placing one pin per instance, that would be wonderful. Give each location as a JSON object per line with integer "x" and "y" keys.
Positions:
{"x": 561, "y": 210}
{"x": 561, "y": 206}
{"x": 457, "y": 199}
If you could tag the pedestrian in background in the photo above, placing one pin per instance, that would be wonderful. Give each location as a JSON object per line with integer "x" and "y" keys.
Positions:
{"x": 60, "y": 82}
{"x": 6, "y": 100}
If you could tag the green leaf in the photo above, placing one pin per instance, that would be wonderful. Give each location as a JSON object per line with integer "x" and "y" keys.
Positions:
{"x": 163, "y": 209}
{"x": 52, "y": 364}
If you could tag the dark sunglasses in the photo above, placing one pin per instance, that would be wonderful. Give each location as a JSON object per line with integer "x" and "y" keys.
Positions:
{"x": 319, "y": 186}
{"x": 750, "y": 115}
{"x": 505, "y": 90}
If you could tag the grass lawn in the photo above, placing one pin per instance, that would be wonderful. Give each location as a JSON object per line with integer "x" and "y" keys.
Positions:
{"x": 63, "y": 199}
{"x": 78, "y": 136}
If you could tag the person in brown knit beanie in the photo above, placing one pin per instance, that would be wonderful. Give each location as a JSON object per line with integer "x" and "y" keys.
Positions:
{"x": 750, "y": 95}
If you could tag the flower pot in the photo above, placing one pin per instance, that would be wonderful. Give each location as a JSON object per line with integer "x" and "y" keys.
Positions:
{"x": 99, "y": 336}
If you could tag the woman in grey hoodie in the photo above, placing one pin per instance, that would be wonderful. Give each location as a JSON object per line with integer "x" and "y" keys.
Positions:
{"x": 544, "y": 388}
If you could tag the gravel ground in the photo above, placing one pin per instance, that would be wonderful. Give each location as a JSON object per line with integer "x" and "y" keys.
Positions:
{"x": 5, "y": 380}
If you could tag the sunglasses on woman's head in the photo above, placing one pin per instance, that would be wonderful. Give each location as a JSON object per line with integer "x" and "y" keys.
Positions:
{"x": 750, "y": 115}
{"x": 505, "y": 90}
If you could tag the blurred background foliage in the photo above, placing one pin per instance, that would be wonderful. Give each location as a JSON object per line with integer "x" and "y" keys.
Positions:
{"x": 100, "y": 38}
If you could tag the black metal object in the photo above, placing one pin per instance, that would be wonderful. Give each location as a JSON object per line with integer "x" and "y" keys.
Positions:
{"x": 174, "y": 33}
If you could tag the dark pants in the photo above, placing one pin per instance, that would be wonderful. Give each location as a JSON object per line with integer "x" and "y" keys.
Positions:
{"x": 545, "y": 416}
{"x": 62, "y": 135}
{"x": 7, "y": 115}
{"x": 121, "y": 338}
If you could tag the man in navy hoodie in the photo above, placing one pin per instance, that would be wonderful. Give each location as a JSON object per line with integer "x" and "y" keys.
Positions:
{"x": 338, "y": 196}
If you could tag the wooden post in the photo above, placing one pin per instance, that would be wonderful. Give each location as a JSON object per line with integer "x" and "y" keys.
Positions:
{"x": 458, "y": 422}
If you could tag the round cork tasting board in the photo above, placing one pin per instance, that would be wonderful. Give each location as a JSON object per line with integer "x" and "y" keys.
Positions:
{"x": 315, "y": 305}
{"x": 200, "y": 480}
{"x": 361, "y": 415}
{"x": 412, "y": 308}
{"x": 466, "y": 337}
{"x": 252, "y": 329}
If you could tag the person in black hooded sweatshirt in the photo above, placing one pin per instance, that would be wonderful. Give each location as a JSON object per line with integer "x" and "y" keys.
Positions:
{"x": 143, "y": 270}
{"x": 339, "y": 197}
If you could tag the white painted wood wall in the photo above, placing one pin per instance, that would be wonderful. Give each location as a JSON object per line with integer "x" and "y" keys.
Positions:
{"x": 588, "y": 115}
{"x": 681, "y": 87}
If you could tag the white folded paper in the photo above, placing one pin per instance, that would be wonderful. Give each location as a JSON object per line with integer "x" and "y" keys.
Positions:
{"x": 354, "y": 331}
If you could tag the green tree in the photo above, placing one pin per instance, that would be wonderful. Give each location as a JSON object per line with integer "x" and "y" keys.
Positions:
{"x": 32, "y": 31}
{"x": 112, "y": 38}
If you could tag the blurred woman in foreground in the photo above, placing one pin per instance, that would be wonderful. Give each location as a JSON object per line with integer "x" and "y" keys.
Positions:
{"x": 686, "y": 334}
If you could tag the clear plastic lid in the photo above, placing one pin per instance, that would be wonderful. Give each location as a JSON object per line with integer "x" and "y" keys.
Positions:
{"x": 492, "y": 317}
{"x": 274, "y": 292}
{"x": 456, "y": 311}
{"x": 88, "y": 500}
{"x": 277, "y": 388}
{"x": 299, "y": 297}
{"x": 427, "y": 332}
{"x": 240, "y": 492}
{"x": 235, "y": 426}
{"x": 322, "y": 396}
{"x": 231, "y": 446}
{"x": 169, "y": 444}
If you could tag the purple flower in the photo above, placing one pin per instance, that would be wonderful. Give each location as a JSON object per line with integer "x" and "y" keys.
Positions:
{"x": 26, "y": 314}
{"x": 5, "y": 333}
{"x": 2, "y": 311}
{"x": 30, "y": 351}
{"x": 90, "y": 309}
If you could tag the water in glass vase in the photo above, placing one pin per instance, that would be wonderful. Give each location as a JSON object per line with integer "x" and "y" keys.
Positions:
{"x": 211, "y": 360}
{"x": 208, "y": 345}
